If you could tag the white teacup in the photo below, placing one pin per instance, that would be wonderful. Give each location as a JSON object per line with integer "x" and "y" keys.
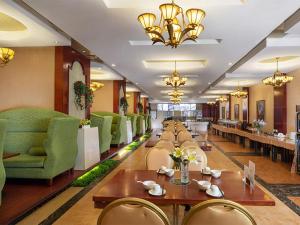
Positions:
{"x": 206, "y": 170}
{"x": 148, "y": 184}
{"x": 216, "y": 173}
{"x": 156, "y": 188}
{"x": 204, "y": 185}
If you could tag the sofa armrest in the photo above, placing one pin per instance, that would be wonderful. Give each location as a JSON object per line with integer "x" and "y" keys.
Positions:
{"x": 61, "y": 144}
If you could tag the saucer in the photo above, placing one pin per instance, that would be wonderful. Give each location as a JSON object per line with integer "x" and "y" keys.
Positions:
{"x": 206, "y": 173}
{"x": 210, "y": 193}
{"x": 151, "y": 192}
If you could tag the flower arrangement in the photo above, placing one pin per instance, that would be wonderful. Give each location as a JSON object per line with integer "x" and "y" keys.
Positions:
{"x": 259, "y": 124}
{"x": 85, "y": 122}
{"x": 140, "y": 107}
{"x": 124, "y": 104}
{"x": 82, "y": 91}
{"x": 179, "y": 154}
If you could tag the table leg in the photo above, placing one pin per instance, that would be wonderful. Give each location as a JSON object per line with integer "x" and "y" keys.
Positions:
{"x": 176, "y": 214}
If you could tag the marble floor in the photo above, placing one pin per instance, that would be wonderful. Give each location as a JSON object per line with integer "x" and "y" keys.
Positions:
{"x": 68, "y": 210}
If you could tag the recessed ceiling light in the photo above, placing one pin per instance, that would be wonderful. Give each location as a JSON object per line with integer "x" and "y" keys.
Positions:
{"x": 136, "y": 83}
{"x": 230, "y": 64}
{"x": 56, "y": 42}
{"x": 209, "y": 83}
{"x": 113, "y": 65}
{"x": 83, "y": 51}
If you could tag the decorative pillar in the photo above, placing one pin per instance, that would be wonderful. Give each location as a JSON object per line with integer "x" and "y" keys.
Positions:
{"x": 280, "y": 109}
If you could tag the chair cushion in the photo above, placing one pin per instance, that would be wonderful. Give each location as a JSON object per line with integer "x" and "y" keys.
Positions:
{"x": 25, "y": 161}
{"x": 37, "y": 151}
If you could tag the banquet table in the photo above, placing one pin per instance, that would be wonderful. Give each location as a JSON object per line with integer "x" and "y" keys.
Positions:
{"x": 124, "y": 184}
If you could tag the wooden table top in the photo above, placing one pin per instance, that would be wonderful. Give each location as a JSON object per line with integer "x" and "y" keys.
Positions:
{"x": 124, "y": 184}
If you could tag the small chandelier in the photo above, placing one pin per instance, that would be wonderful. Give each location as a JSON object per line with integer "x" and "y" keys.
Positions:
{"x": 239, "y": 93}
{"x": 278, "y": 79}
{"x": 178, "y": 32}
{"x": 175, "y": 80}
{"x": 222, "y": 99}
{"x": 6, "y": 55}
{"x": 176, "y": 93}
{"x": 175, "y": 100}
{"x": 96, "y": 85}
{"x": 211, "y": 103}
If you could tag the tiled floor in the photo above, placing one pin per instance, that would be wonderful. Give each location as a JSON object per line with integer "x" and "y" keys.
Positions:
{"x": 84, "y": 213}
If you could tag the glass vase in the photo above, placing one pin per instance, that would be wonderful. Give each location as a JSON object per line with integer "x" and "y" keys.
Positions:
{"x": 184, "y": 172}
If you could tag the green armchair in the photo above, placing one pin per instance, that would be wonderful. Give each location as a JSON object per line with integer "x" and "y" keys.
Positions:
{"x": 146, "y": 118}
{"x": 2, "y": 170}
{"x": 104, "y": 130}
{"x": 118, "y": 127}
{"x": 46, "y": 141}
{"x": 139, "y": 124}
{"x": 133, "y": 119}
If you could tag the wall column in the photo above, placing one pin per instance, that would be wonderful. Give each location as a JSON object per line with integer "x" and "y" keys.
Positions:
{"x": 280, "y": 109}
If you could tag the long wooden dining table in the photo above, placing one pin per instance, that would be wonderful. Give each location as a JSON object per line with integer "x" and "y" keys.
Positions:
{"x": 124, "y": 184}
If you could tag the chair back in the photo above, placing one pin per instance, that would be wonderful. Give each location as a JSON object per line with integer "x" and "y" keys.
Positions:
{"x": 157, "y": 157}
{"x": 184, "y": 136}
{"x": 218, "y": 211}
{"x": 165, "y": 144}
{"x": 167, "y": 135}
{"x": 132, "y": 211}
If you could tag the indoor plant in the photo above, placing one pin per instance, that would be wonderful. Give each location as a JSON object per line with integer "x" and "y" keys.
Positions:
{"x": 83, "y": 92}
{"x": 124, "y": 104}
{"x": 259, "y": 125}
{"x": 140, "y": 107}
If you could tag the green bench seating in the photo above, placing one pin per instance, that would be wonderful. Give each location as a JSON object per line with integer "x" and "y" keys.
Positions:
{"x": 46, "y": 141}
{"x": 104, "y": 130}
{"x": 133, "y": 119}
{"x": 118, "y": 127}
{"x": 3, "y": 128}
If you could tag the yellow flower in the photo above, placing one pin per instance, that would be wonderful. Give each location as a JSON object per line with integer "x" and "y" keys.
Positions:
{"x": 178, "y": 152}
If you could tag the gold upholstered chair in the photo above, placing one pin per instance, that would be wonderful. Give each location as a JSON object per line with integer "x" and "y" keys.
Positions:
{"x": 218, "y": 212}
{"x": 157, "y": 157}
{"x": 200, "y": 155}
{"x": 132, "y": 211}
{"x": 184, "y": 136}
{"x": 165, "y": 144}
{"x": 168, "y": 135}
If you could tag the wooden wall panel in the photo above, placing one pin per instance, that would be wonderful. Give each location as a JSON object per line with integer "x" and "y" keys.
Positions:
{"x": 280, "y": 109}
{"x": 64, "y": 58}
{"x": 116, "y": 96}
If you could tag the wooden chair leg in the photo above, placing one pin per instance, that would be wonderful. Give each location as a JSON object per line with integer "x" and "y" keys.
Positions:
{"x": 49, "y": 182}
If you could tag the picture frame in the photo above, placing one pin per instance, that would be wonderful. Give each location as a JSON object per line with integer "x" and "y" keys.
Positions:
{"x": 260, "y": 109}
{"x": 236, "y": 111}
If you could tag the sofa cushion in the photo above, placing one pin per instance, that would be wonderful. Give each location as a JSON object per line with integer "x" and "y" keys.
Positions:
{"x": 37, "y": 151}
{"x": 25, "y": 161}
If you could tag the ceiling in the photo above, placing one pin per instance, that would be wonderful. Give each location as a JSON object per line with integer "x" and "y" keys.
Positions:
{"x": 109, "y": 28}
{"x": 25, "y": 30}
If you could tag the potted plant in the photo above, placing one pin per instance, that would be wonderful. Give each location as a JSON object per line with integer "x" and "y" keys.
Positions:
{"x": 124, "y": 104}
{"x": 140, "y": 107}
{"x": 85, "y": 123}
{"x": 83, "y": 92}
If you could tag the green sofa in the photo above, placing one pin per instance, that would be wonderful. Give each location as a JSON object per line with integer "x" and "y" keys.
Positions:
{"x": 133, "y": 119}
{"x": 46, "y": 141}
{"x": 146, "y": 118}
{"x": 139, "y": 124}
{"x": 118, "y": 127}
{"x": 3, "y": 127}
{"x": 104, "y": 130}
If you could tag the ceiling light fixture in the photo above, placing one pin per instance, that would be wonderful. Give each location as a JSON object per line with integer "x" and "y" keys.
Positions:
{"x": 175, "y": 100}
{"x": 211, "y": 103}
{"x": 222, "y": 99}
{"x": 175, "y": 80}
{"x": 172, "y": 21}
{"x": 96, "y": 85}
{"x": 6, "y": 55}
{"x": 239, "y": 93}
{"x": 175, "y": 93}
{"x": 278, "y": 79}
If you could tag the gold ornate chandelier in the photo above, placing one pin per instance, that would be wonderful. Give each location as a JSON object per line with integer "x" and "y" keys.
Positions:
{"x": 96, "y": 85}
{"x": 175, "y": 100}
{"x": 6, "y": 55}
{"x": 211, "y": 103}
{"x": 173, "y": 22}
{"x": 175, "y": 93}
{"x": 175, "y": 80}
{"x": 222, "y": 99}
{"x": 278, "y": 79}
{"x": 239, "y": 93}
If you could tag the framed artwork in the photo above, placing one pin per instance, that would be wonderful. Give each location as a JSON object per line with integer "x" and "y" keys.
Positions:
{"x": 236, "y": 111}
{"x": 260, "y": 109}
{"x": 223, "y": 112}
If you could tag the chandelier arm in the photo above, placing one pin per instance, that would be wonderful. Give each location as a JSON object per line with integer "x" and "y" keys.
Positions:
{"x": 184, "y": 32}
{"x": 171, "y": 32}
{"x": 158, "y": 34}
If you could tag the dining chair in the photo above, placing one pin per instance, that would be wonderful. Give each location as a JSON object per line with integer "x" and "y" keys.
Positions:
{"x": 218, "y": 211}
{"x": 168, "y": 135}
{"x": 184, "y": 136}
{"x": 157, "y": 157}
{"x": 187, "y": 143}
{"x": 165, "y": 144}
{"x": 132, "y": 211}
